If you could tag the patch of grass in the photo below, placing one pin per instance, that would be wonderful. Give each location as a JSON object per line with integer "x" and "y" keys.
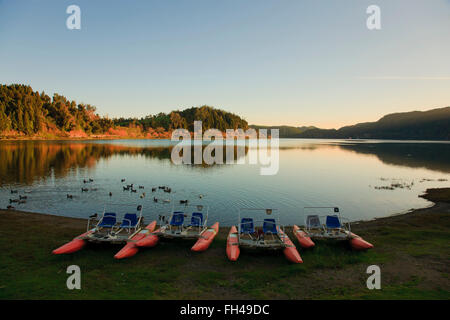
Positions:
{"x": 408, "y": 290}
{"x": 28, "y": 270}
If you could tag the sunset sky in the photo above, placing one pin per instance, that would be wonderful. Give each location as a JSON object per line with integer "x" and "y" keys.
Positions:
{"x": 272, "y": 62}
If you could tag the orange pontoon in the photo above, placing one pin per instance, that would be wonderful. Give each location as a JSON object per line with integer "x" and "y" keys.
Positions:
{"x": 108, "y": 229}
{"x": 329, "y": 227}
{"x": 269, "y": 236}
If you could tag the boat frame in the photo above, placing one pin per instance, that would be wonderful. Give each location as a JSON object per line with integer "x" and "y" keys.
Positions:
{"x": 115, "y": 234}
{"x": 341, "y": 233}
{"x": 250, "y": 242}
{"x": 184, "y": 231}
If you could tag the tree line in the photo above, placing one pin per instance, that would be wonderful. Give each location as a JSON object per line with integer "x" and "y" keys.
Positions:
{"x": 29, "y": 112}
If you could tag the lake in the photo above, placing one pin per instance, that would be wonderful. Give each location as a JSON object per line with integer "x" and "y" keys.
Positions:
{"x": 365, "y": 179}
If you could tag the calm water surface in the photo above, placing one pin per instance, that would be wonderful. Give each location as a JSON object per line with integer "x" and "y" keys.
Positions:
{"x": 311, "y": 173}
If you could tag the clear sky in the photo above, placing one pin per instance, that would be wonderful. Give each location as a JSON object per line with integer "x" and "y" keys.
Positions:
{"x": 270, "y": 61}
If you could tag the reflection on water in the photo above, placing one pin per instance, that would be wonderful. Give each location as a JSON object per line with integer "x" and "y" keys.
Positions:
{"x": 26, "y": 161}
{"x": 349, "y": 174}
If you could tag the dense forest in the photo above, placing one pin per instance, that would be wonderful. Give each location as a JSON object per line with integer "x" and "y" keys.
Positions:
{"x": 24, "y": 112}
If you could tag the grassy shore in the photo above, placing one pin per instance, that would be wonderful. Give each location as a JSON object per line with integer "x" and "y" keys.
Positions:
{"x": 412, "y": 251}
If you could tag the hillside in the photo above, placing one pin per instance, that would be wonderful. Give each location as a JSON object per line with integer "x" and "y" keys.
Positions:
{"x": 28, "y": 113}
{"x": 416, "y": 125}
{"x": 285, "y": 131}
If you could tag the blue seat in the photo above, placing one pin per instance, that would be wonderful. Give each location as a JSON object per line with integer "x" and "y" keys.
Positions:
{"x": 108, "y": 220}
{"x": 129, "y": 220}
{"x": 333, "y": 222}
{"x": 177, "y": 218}
{"x": 270, "y": 226}
{"x": 247, "y": 226}
{"x": 196, "y": 219}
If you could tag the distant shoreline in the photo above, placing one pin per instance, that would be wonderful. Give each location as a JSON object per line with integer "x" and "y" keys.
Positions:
{"x": 168, "y": 138}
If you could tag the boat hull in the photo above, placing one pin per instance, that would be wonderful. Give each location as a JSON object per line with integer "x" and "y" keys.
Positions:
{"x": 75, "y": 245}
{"x": 290, "y": 251}
{"x": 359, "y": 243}
{"x": 130, "y": 249}
{"x": 206, "y": 238}
{"x": 233, "y": 250}
{"x": 303, "y": 239}
{"x": 148, "y": 241}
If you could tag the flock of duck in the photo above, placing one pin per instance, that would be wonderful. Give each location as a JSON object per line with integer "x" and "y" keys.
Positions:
{"x": 22, "y": 199}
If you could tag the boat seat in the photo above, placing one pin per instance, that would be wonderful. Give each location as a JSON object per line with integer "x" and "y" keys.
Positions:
{"x": 177, "y": 218}
{"x": 270, "y": 226}
{"x": 196, "y": 219}
{"x": 333, "y": 222}
{"x": 313, "y": 222}
{"x": 108, "y": 220}
{"x": 247, "y": 226}
{"x": 129, "y": 220}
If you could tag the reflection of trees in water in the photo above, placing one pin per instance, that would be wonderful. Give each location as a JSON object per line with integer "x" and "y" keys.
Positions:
{"x": 27, "y": 161}
{"x": 432, "y": 156}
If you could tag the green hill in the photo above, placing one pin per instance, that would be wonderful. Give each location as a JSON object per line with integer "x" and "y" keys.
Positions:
{"x": 416, "y": 125}
{"x": 28, "y": 113}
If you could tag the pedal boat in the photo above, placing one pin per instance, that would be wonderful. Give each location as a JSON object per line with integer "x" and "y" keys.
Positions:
{"x": 182, "y": 225}
{"x": 108, "y": 230}
{"x": 333, "y": 229}
{"x": 269, "y": 237}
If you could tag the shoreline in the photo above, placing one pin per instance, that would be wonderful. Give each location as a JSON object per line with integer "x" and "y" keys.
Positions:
{"x": 110, "y": 137}
{"x": 411, "y": 249}
{"x": 439, "y": 199}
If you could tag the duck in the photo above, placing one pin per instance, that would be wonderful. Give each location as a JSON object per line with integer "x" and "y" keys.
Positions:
{"x": 85, "y": 181}
{"x": 141, "y": 187}
{"x": 91, "y": 180}
{"x": 126, "y": 188}
{"x": 168, "y": 190}
{"x": 22, "y": 197}
{"x": 10, "y": 207}
{"x": 154, "y": 199}
{"x": 93, "y": 216}
{"x": 122, "y": 180}
{"x": 162, "y": 187}
{"x": 22, "y": 201}
{"x": 13, "y": 200}
{"x": 153, "y": 189}
{"x": 110, "y": 194}
{"x": 200, "y": 196}
{"x": 69, "y": 196}
{"x": 84, "y": 189}
{"x": 14, "y": 191}
{"x": 133, "y": 190}
{"x": 184, "y": 201}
